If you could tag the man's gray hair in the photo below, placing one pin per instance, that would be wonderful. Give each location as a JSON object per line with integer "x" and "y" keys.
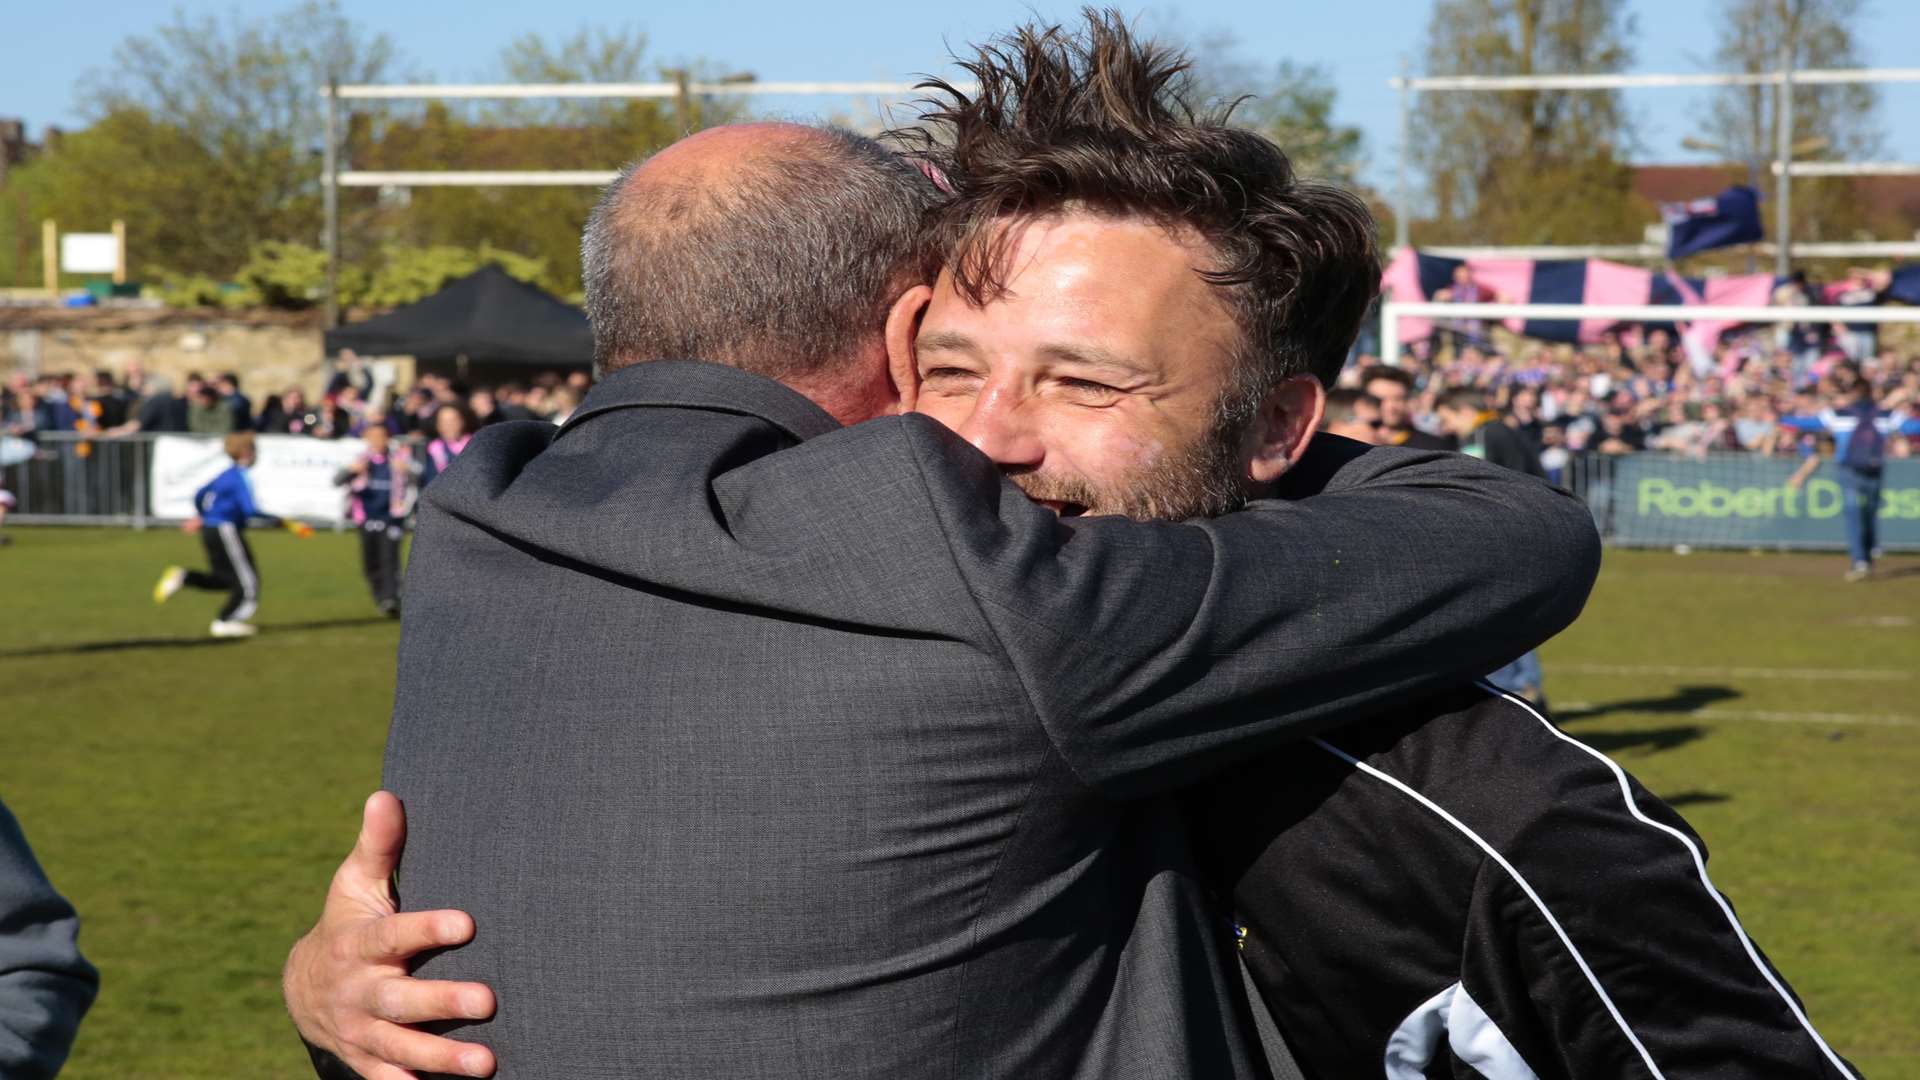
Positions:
{"x": 783, "y": 270}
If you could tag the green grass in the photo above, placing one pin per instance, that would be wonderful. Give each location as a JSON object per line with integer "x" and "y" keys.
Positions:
{"x": 192, "y": 797}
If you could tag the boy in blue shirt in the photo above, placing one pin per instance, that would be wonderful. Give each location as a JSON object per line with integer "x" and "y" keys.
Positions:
{"x": 225, "y": 507}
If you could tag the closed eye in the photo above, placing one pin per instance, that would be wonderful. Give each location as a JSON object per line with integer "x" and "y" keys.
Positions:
{"x": 948, "y": 373}
{"x": 1089, "y": 392}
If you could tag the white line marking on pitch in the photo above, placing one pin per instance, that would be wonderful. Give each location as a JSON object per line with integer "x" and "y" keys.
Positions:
{"x": 1875, "y": 719}
{"x": 1767, "y": 717}
{"x": 1848, "y": 674}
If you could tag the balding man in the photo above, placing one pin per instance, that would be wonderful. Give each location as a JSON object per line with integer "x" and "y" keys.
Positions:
{"x": 758, "y": 746}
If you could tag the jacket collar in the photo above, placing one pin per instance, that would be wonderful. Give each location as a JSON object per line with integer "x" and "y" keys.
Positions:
{"x": 695, "y": 384}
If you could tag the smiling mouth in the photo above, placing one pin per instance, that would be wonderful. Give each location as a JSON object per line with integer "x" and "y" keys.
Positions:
{"x": 1062, "y": 507}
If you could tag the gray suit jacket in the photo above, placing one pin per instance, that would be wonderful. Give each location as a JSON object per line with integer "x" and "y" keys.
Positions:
{"x": 761, "y": 747}
{"x": 46, "y": 986}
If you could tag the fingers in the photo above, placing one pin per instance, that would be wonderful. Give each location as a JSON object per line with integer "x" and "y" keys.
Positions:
{"x": 406, "y": 1000}
{"x": 376, "y": 852}
{"x": 410, "y": 1049}
{"x": 393, "y": 938}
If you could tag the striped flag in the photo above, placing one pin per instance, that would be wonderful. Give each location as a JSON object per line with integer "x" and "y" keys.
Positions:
{"x": 1414, "y": 275}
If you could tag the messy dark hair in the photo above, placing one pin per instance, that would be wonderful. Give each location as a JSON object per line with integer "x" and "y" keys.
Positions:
{"x": 1100, "y": 121}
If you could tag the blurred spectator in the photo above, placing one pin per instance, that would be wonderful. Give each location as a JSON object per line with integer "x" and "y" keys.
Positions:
{"x": 1523, "y": 416}
{"x": 1465, "y": 290}
{"x": 1470, "y": 416}
{"x": 330, "y": 420}
{"x": 19, "y": 407}
{"x": 453, "y": 426}
{"x": 1861, "y": 429}
{"x": 416, "y": 413}
{"x": 1393, "y": 389}
{"x": 228, "y": 384}
{"x": 483, "y": 408}
{"x": 287, "y": 414}
{"x": 351, "y": 371}
{"x": 208, "y": 411}
{"x": 380, "y": 486}
{"x": 1555, "y": 459}
{"x": 6, "y": 504}
{"x": 161, "y": 411}
{"x": 112, "y": 404}
{"x": 510, "y": 402}
{"x": 1354, "y": 414}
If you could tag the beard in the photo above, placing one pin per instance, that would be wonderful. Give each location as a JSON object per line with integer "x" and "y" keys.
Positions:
{"x": 1203, "y": 479}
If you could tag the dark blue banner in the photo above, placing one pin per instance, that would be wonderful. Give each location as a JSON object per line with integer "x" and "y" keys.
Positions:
{"x": 1729, "y": 218}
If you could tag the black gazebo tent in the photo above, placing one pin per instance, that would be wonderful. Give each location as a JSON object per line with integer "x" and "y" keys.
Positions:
{"x": 487, "y": 317}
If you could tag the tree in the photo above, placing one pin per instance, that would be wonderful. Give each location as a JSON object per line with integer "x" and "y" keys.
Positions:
{"x": 127, "y": 166}
{"x": 1290, "y": 103}
{"x": 1835, "y": 121}
{"x": 1528, "y": 166}
{"x": 244, "y": 95}
{"x": 570, "y": 133}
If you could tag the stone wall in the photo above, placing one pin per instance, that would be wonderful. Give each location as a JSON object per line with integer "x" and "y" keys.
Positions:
{"x": 268, "y": 355}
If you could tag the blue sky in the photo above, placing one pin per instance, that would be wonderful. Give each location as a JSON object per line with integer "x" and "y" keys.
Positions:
{"x": 48, "y": 47}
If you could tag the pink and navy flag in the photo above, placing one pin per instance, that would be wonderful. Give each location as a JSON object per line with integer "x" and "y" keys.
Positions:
{"x": 1729, "y": 218}
{"x": 1414, "y": 275}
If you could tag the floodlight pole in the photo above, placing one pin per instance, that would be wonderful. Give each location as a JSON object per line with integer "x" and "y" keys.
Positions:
{"x": 1783, "y": 143}
{"x": 1400, "y": 161}
{"x": 330, "y": 198}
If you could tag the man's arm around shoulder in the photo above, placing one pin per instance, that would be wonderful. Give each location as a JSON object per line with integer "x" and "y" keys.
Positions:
{"x": 1158, "y": 652}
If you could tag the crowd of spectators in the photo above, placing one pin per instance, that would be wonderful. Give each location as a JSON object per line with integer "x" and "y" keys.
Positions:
{"x": 1635, "y": 390}
{"x": 107, "y": 406}
{"x": 1752, "y": 391}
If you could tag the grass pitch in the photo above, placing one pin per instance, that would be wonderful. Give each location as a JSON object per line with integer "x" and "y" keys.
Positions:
{"x": 192, "y": 797}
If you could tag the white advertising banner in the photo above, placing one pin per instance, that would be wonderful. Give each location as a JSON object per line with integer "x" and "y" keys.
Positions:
{"x": 293, "y": 478}
{"x": 89, "y": 253}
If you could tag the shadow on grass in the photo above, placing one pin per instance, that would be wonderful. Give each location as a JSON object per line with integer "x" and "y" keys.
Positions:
{"x": 1696, "y": 798}
{"x": 1687, "y": 699}
{"x": 83, "y": 648}
{"x": 1648, "y": 741}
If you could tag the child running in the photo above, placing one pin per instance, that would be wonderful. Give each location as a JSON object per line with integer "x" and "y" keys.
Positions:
{"x": 226, "y": 506}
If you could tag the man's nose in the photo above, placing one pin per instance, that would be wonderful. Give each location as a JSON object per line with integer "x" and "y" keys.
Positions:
{"x": 1003, "y": 427}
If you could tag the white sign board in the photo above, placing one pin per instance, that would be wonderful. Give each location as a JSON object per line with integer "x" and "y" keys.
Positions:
{"x": 293, "y": 478}
{"x": 89, "y": 253}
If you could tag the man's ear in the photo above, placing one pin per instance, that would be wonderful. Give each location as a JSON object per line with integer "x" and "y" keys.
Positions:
{"x": 1284, "y": 426}
{"x": 903, "y": 325}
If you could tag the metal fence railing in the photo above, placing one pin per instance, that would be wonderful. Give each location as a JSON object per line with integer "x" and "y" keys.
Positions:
{"x": 75, "y": 479}
{"x": 1721, "y": 500}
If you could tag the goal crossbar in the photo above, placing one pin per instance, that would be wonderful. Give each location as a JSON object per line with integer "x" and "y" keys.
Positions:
{"x": 430, "y": 91}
